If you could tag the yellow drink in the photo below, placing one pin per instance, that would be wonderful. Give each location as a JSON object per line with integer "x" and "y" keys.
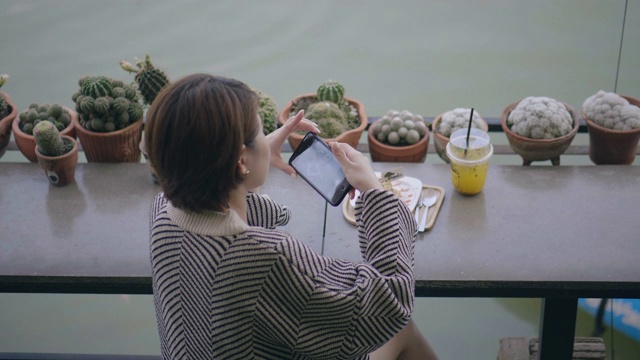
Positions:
{"x": 468, "y": 179}
{"x": 469, "y": 165}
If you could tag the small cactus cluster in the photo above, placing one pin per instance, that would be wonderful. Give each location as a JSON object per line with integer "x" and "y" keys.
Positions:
{"x": 37, "y": 113}
{"x": 399, "y": 128}
{"x": 150, "y": 79}
{"x": 333, "y": 114}
{"x": 104, "y": 104}
{"x": 4, "y": 106}
{"x": 268, "y": 111}
{"x": 48, "y": 139}
{"x": 456, "y": 119}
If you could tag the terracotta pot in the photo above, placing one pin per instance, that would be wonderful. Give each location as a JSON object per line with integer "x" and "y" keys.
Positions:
{"x": 60, "y": 170}
{"x": 116, "y": 146}
{"x": 539, "y": 149}
{"x": 351, "y": 137}
{"x": 608, "y": 146}
{"x": 25, "y": 142}
{"x": 382, "y": 152}
{"x": 440, "y": 141}
{"x": 143, "y": 150}
{"x": 5, "y": 123}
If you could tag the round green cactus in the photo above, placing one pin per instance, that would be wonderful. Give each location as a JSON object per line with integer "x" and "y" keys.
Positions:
{"x": 135, "y": 111}
{"x": 55, "y": 111}
{"x": 331, "y": 91}
{"x": 96, "y": 86}
{"x": 121, "y": 105}
{"x": 118, "y": 92}
{"x": 101, "y": 105}
{"x": 399, "y": 128}
{"x": 48, "y": 139}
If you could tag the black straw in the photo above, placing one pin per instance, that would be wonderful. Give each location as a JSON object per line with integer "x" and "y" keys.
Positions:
{"x": 468, "y": 132}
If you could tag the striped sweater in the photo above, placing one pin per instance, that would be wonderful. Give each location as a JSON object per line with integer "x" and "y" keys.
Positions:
{"x": 227, "y": 290}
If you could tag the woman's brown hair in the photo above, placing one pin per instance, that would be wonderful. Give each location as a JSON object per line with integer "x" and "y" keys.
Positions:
{"x": 194, "y": 134}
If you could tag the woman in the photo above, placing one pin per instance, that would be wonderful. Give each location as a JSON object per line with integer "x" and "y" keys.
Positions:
{"x": 227, "y": 284}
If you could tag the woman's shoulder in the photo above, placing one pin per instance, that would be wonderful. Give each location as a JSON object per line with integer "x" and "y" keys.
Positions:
{"x": 293, "y": 251}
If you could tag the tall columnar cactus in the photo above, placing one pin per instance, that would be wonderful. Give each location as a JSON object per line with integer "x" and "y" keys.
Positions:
{"x": 48, "y": 139}
{"x": 104, "y": 104}
{"x": 331, "y": 91}
{"x": 149, "y": 78}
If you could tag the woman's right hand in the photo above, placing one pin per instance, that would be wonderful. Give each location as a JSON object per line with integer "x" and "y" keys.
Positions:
{"x": 356, "y": 167}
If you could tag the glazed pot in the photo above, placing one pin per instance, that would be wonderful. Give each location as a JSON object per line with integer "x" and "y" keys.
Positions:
{"x": 615, "y": 147}
{"x": 539, "y": 149}
{"x": 5, "y": 123}
{"x": 25, "y": 142}
{"x": 351, "y": 137}
{"x": 382, "y": 152}
{"x": 111, "y": 147}
{"x": 60, "y": 170}
{"x": 440, "y": 141}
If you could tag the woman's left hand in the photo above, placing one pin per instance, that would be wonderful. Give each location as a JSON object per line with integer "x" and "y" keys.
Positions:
{"x": 277, "y": 138}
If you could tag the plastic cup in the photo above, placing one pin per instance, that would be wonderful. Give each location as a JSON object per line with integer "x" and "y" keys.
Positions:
{"x": 469, "y": 169}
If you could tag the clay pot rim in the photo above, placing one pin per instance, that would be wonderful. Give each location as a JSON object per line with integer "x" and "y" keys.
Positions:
{"x": 382, "y": 145}
{"x": 439, "y": 135}
{"x": 81, "y": 129}
{"x": 73, "y": 149}
{"x": 633, "y": 101}
{"x": 16, "y": 124}
{"x": 283, "y": 115}
{"x": 507, "y": 110}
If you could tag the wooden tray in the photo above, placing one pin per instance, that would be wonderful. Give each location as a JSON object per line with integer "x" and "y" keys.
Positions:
{"x": 347, "y": 208}
{"x": 433, "y": 210}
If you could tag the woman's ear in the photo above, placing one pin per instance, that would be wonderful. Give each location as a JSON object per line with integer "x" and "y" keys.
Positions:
{"x": 242, "y": 162}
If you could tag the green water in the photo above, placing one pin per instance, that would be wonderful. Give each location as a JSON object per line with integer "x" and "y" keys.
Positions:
{"x": 424, "y": 56}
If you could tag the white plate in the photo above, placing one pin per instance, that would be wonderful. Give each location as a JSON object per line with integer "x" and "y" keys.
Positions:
{"x": 406, "y": 188}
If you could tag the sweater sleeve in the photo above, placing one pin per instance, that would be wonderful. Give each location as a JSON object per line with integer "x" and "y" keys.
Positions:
{"x": 266, "y": 213}
{"x": 332, "y": 308}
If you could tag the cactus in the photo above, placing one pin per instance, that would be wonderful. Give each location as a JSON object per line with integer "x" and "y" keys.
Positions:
{"x": 268, "y": 111}
{"x": 105, "y": 111}
{"x": 399, "y": 128}
{"x": 457, "y": 119}
{"x": 150, "y": 79}
{"x": 48, "y": 139}
{"x": 331, "y": 91}
{"x": 4, "y": 105}
{"x": 37, "y": 113}
{"x": 331, "y": 120}
{"x": 96, "y": 86}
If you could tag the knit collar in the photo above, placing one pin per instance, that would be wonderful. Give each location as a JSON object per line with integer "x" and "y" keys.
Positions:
{"x": 212, "y": 223}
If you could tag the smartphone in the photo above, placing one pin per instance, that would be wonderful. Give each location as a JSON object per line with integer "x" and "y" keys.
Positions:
{"x": 316, "y": 164}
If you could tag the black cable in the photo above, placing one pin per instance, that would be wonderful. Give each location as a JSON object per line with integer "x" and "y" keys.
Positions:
{"x": 613, "y": 357}
{"x": 324, "y": 227}
{"x": 624, "y": 19}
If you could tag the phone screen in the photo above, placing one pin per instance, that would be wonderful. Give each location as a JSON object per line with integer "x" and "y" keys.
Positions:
{"x": 314, "y": 162}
